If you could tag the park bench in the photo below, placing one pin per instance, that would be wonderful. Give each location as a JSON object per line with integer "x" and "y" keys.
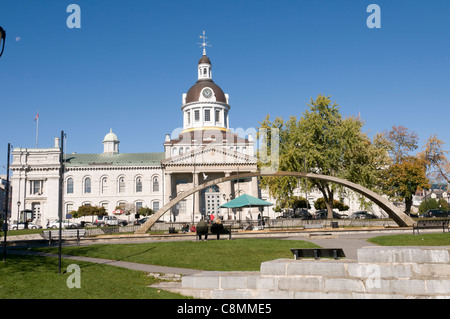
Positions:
{"x": 65, "y": 233}
{"x": 317, "y": 253}
{"x": 430, "y": 224}
{"x": 215, "y": 230}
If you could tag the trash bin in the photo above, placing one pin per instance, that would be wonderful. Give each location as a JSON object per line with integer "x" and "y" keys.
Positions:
{"x": 83, "y": 224}
{"x": 334, "y": 225}
{"x": 172, "y": 230}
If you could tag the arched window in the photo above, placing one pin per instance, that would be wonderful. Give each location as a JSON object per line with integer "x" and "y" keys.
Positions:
{"x": 174, "y": 151}
{"x": 139, "y": 185}
{"x": 204, "y": 71}
{"x": 121, "y": 184}
{"x": 180, "y": 151}
{"x": 70, "y": 185}
{"x": 156, "y": 184}
{"x": 87, "y": 185}
{"x": 104, "y": 185}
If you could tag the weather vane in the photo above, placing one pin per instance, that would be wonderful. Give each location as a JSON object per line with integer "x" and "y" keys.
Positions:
{"x": 205, "y": 43}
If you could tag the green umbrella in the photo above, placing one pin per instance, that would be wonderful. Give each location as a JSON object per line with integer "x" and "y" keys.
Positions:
{"x": 246, "y": 201}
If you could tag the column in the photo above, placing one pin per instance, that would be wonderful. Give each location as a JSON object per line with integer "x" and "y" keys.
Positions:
{"x": 168, "y": 192}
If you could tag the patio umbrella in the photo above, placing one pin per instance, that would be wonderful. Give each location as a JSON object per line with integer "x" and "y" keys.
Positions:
{"x": 246, "y": 201}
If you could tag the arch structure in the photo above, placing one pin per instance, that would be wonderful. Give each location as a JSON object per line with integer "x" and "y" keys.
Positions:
{"x": 398, "y": 216}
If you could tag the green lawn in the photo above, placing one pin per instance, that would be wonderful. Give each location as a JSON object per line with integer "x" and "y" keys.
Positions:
{"x": 220, "y": 255}
{"x": 33, "y": 277}
{"x": 434, "y": 239}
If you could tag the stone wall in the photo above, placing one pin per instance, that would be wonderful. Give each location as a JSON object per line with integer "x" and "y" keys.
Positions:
{"x": 379, "y": 272}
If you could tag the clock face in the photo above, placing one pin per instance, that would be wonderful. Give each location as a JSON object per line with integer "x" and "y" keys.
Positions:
{"x": 207, "y": 93}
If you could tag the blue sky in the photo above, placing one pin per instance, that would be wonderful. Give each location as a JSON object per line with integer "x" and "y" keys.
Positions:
{"x": 128, "y": 65}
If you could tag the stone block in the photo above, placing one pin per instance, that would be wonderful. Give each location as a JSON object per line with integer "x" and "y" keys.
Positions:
{"x": 398, "y": 286}
{"x": 231, "y": 294}
{"x": 263, "y": 283}
{"x": 379, "y": 271}
{"x": 275, "y": 267}
{"x": 200, "y": 282}
{"x": 403, "y": 255}
{"x": 430, "y": 271}
{"x": 344, "y": 285}
{"x": 301, "y": 283}
{"x": 321, "y": 295}
{"x": 439, "y": 287}
{"x": 326, "y": 268}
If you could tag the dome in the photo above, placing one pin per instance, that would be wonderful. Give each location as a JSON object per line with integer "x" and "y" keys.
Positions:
{"x": 110, "y": 137}
{"x": 204, "y": 59}
{"x": 193, "y": 95}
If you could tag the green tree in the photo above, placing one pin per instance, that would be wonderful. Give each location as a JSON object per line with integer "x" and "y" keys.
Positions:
{"x": 406, "y": 174}
{"x": 89, "y": 211}
{"x": 323, "y": 142}
{"x": 320, "y": 204}
{"x": 145, "y": 211}
{"x": 428, "y": 204}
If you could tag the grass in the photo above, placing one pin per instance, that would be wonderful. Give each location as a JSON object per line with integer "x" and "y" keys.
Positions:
{"x": 435, "y": 239}
{"x": 214, "y": 255}
{"x": 33, "y": 277}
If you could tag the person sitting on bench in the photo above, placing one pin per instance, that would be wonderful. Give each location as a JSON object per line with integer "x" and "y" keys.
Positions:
{"x": 202, "y": 229}
{"x": 217, "y": 227}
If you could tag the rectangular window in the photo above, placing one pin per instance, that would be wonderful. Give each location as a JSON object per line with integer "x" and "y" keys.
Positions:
{"x": 36, "y": 187}
{"x": 188, "y": 117}
{"x": 155, "y": 206}
{"x": 197, "y": 115}
{"x": 217, "y": 115}
{"x": 207, "y": 115}
{"x": 138, "y": 206}
{"x": 69, "y": 208}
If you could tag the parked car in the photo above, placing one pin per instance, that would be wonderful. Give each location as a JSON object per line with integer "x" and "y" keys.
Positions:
{"x": 436, "y": 213}
{"x": 302, "y": 213}
{"x": 103, "y": 221}
{"x": 64, "y": 224}
{"x": 21, "y": 225}
{"x": 323, "y": 214}
{"x": 298, "y": 213}
{"x": 363, "y": 215}
{"x": 140, "y": 221}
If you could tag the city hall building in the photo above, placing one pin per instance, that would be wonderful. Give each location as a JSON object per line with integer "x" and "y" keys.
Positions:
{"x": 205, "y": 149}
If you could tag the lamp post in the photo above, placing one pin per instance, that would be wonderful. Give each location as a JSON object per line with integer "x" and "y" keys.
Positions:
{"x": 18, "y": 212}
{"x": 2, "y": 39}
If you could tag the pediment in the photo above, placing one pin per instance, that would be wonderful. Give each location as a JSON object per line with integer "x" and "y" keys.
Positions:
{"x": 210, "y": 155}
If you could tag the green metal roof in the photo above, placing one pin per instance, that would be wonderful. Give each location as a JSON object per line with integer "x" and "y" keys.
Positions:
{"x": 125, "y": 159}
{"x": 246, "y": 201}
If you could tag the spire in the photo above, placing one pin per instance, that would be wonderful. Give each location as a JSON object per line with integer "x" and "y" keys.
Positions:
{"x": 205, "y": 43}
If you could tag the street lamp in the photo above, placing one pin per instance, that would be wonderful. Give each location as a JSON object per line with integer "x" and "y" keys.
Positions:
{"x": 2, "y": 37}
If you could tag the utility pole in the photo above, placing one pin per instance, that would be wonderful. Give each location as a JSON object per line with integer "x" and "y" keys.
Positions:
{"x": 60, "y": 201}
{"x": 5, "y": 216}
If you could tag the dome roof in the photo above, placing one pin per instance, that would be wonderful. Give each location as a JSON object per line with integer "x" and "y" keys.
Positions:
{"x": 193, "y": 95}
{"x": 110, "y": 137}
{"x": 204, "y": 59}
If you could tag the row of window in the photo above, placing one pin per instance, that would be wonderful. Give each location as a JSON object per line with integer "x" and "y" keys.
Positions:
{"x": 138, "y": 204}
{"x": 207, "y": 116}
{"x": 105, "y": 184}
{"x": 182, "y": 150}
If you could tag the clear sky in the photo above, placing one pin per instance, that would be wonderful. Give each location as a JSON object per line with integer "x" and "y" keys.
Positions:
{"x": 128, "y": 65}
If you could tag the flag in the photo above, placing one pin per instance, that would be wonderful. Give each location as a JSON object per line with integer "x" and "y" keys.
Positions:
{"x": 37, "y": 116}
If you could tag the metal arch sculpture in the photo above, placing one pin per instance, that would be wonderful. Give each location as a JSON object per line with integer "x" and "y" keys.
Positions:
{"x": 399, "y": 217}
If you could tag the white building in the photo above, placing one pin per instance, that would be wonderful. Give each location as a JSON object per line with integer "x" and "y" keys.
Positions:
{"x": 205, "y": 149}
